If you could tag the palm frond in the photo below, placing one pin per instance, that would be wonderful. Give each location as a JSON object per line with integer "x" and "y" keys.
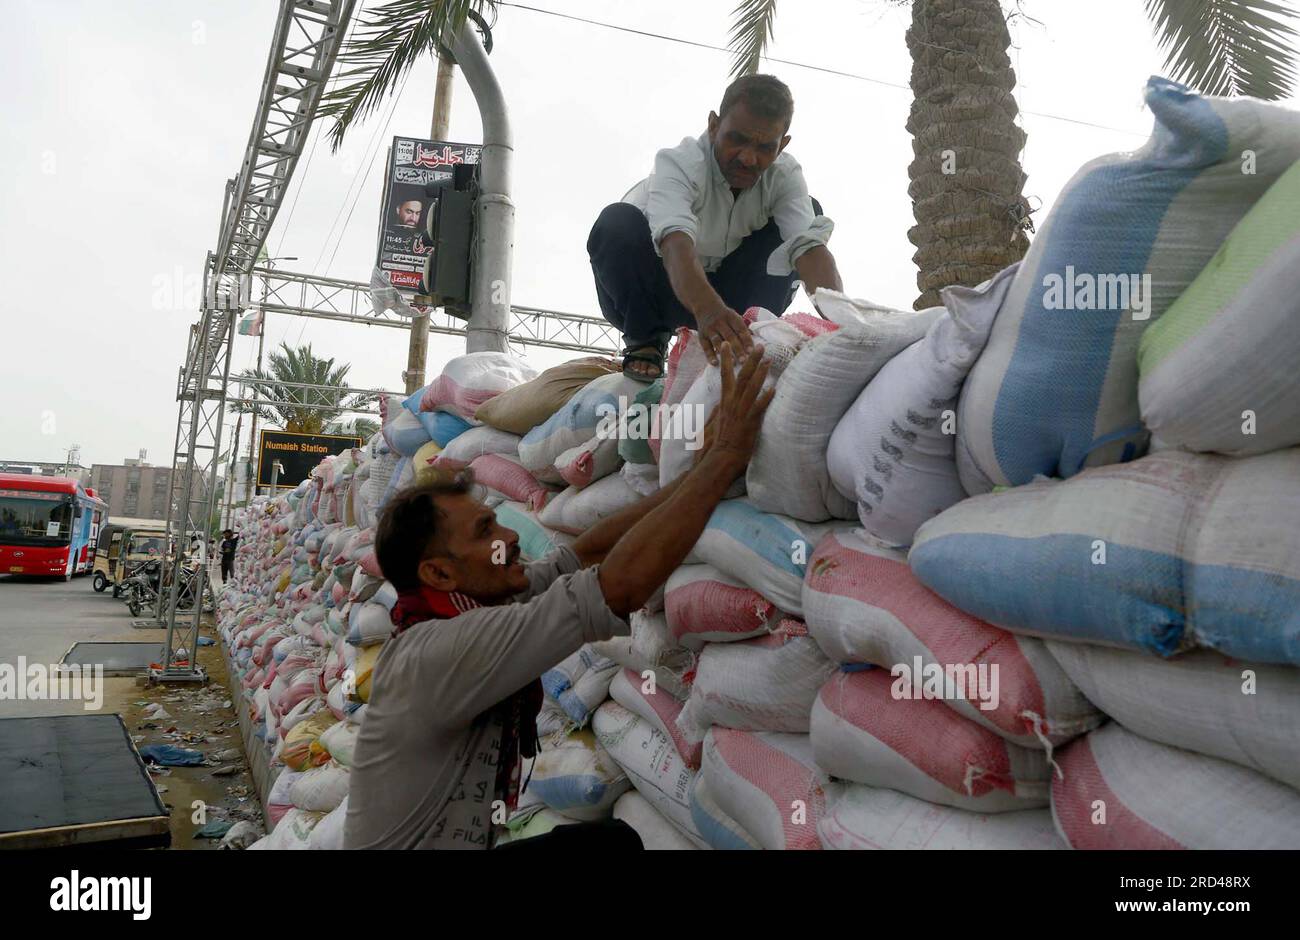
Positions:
{"x": 1227, "y": 47}
{"x": 382, "y": 48}
{"x": 750, "y": 33}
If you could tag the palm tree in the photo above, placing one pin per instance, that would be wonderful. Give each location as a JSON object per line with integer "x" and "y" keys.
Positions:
{"x": 966, "y": 178}
{"x": 302, "y": 410}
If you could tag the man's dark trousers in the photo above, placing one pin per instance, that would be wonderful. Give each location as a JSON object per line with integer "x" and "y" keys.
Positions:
{"x": 227, "y": 565}
{"x": 633, "y": 288}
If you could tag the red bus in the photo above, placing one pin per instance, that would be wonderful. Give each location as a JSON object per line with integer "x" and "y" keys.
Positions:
{"x": 48, "y": 525}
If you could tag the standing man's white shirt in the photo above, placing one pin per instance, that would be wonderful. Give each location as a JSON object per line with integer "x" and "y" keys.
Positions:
{"x": 688, "y": 193}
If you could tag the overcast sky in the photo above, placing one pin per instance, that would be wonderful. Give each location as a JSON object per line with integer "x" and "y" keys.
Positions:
{"x": 122, "y": 122}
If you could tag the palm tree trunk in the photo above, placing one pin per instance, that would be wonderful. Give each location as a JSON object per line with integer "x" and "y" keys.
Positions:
{"x": 966, "y": 175}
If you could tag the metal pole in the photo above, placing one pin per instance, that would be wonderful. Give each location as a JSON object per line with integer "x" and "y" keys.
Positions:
{"x": 230, "y": 484}
{"x": 261, "y": 342}
{"x": 276, "y": 467}
{"x": 494, "y": 212}
{"x": 417, "y": 353}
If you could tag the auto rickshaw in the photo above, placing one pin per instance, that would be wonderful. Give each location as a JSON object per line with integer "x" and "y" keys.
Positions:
{"x": 122, "y": 549}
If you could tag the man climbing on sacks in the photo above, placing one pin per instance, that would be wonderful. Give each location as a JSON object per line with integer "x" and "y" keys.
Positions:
{"x": 455, "y": 693}
{"x": 723, "y": 223}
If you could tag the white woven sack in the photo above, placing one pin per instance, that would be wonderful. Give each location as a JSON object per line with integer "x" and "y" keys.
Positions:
{"x": 764, "y": 684}
{"x": 719, "y": 830}
{"x": 1201, "y": 701}
{"x": 651, "y": 762}
{"x": 576, "y": 510}
{"x": 320, "y": 789}
{"x": 862, "y": 817}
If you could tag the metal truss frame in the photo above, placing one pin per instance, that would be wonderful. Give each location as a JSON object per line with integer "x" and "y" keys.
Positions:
{"x": 307, "y": 39}
{"x": 330, "y": 298}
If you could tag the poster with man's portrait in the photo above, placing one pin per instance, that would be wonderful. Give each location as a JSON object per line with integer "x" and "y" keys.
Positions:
{"x": 412, "y": 165}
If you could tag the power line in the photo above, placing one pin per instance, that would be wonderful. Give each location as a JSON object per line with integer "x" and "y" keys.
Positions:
{"x": 802, "y": 65}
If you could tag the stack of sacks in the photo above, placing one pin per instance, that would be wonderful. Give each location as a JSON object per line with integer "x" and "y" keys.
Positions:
{"x": 1056, "y": 388}
{"x": 1155, "y": 557}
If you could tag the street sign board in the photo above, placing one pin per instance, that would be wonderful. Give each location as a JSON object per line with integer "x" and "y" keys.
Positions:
{"x": 298, "y": 454}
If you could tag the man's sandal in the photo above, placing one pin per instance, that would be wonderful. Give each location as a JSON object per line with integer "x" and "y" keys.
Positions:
{"x": 652, "y": 354}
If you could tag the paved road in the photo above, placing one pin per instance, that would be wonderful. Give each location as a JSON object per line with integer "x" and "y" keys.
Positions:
{"x": 40, "y": 619}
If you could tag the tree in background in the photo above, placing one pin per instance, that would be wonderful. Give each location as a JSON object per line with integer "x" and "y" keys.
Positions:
{"x": 966, "y": 179}
{"x": 305, "y": 411}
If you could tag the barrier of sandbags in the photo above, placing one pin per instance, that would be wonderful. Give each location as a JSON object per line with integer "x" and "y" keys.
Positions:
{"x": 1217, "y": 370}
{"x": 1056, "y": 388}
{"x": 893, "y": 453}
{"x": 1200, "y": 701}
{"x": 861, "y": 731}
{"x": 1169, "y": 552}
{"x": 863, "y": 604}
{"x": 1120, "y": 791}
{"x": 862, "y": 817}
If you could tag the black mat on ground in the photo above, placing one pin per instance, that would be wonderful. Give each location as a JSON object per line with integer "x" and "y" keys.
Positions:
{"x": 124, "y": 658}
{"x": 70, "y": 770}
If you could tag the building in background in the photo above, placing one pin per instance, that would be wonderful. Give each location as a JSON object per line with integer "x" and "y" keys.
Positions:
{"x": 137, "y": 489}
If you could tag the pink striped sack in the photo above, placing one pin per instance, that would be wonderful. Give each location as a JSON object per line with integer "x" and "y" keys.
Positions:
{"x": 919, "y": 746}
{"x": 1120, "y": 791}
{"x": 508, "y": 476}
{"x": 470, "y": 380}
{"x": 863, "y": 604}
{"x": 658, "y": 708}
{"x": 768, "y": 783}
{"x": 704, "y": 605}
{"x": 768, "y": 683}
{"x": 861, "y": 817}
